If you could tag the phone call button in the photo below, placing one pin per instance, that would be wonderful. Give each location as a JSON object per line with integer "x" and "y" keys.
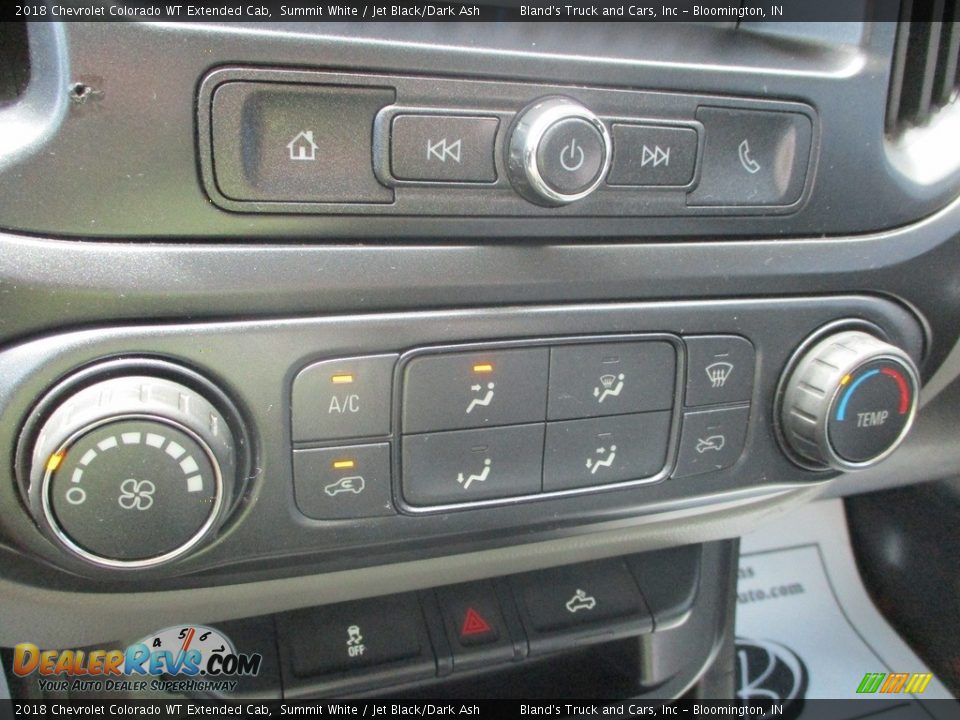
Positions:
{"x": 752, "y": 157}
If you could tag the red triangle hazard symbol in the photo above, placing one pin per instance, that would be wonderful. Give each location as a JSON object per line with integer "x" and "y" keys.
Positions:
{"x": 474, "y": 624}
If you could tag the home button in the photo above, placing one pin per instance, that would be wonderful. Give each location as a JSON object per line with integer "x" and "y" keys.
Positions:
{"x": 296, "y": 143}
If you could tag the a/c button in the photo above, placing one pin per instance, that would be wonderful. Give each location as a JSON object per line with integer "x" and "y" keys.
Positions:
{"x": 348, "y": 398}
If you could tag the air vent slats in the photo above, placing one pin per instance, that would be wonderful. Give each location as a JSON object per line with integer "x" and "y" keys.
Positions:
{"x": 924, "y": 75}
{"x": 947, "y": 79}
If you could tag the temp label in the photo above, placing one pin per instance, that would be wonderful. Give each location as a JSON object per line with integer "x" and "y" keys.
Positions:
{"x": 872, "y": 419}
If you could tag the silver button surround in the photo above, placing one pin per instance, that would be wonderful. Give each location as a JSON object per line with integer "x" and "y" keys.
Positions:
{"x": 526, "y": 137}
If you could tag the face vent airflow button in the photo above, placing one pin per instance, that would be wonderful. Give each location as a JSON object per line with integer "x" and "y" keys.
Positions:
{"x": 849, "y": 402}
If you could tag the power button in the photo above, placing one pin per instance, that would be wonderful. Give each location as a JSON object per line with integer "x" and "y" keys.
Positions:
{"x": 571, "y": 155}
{"x": 559, "y": 152}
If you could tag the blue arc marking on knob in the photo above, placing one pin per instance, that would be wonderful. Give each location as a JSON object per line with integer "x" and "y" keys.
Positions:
{"x": 842, "y": 409}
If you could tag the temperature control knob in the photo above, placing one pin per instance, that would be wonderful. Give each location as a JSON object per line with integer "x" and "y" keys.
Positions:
{"x": 132, "y": 472}
{"x": 849, "y": 402}
{"x": 559, "y": 152}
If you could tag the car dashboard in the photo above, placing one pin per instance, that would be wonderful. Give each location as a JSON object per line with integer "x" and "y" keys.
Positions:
{"x": 451, "y": 359}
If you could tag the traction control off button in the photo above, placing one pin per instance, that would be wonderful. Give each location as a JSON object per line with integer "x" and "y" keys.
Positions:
{"x": 354, "y": 635}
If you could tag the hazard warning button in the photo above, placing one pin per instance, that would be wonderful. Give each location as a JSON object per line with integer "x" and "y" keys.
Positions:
{"x": 476, "y": 629}
{"x": 475, "y": 625}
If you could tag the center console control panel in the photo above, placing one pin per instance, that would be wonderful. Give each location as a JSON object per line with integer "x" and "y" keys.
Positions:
{"x": 484, "y": 424}
{"x": 292, "y": 141}
{"x": 310, "y": 445}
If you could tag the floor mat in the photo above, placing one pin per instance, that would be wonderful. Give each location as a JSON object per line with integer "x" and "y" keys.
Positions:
{"x": 806, "y": 627}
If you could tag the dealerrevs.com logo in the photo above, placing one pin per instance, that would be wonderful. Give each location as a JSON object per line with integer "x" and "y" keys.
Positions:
{"x": 178, "y": 659}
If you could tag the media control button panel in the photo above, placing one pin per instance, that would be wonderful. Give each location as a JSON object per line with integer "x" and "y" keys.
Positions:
{"x": 367, "y": 144}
